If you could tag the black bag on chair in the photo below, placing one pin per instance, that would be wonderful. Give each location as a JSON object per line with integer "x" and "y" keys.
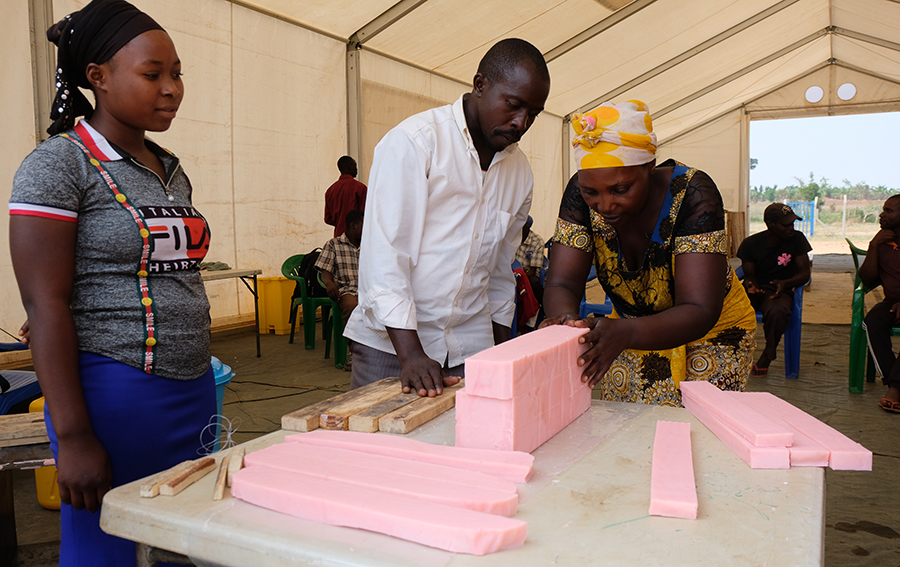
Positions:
{"x": 307, "y": 269}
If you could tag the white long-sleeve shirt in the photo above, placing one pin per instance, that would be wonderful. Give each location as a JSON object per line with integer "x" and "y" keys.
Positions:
{"x": 438, "y": 238}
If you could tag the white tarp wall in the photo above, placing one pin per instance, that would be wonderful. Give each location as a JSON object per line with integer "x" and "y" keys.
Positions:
{"x": 263, "y": 122}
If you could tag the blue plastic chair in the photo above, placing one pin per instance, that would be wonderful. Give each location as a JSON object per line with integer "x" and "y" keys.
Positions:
{"x": 22, "y": 383}
{"x": 586, "y": 308}
{"x": 791, "y": 334}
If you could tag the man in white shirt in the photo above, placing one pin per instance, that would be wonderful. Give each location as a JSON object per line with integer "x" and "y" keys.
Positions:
{"x": 449, "y": 192}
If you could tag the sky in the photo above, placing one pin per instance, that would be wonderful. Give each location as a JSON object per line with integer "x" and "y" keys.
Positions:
{"x": 859, "y": 148}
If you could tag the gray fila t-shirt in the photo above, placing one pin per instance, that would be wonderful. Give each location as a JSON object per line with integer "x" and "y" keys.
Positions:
{"x": 137, "y": 295}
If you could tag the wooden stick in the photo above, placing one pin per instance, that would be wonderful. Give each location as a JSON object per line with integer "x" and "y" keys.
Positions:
{"x": 337, "y": 416}
{"x": 236, "y": 462}
{"x": 150, "y": 488}
{"x": 366, "y": 421}
{"x": 307, "y": 419}
{"x": 178, "y": 482}
{"x": 219, "y": 491}
{"x": 418, "y": 412}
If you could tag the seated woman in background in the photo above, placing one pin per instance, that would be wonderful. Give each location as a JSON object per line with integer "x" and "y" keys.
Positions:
{"x": 657, "y": 235}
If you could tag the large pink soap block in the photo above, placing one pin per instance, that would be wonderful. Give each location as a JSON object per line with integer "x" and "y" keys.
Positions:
{"x": 524, "y": 361}
{"x": 430, "y": 482}
{"x": 672, "y": 489}
{"x": 398, "y": 515}
{"x": 756, "y": 457}
{"x": 753, "y": 426}
{"x": 513, "y": 425}
{"x": 511, "y": 465}
{"x": 804, "y": 451}
{"x": 844, "y": 453}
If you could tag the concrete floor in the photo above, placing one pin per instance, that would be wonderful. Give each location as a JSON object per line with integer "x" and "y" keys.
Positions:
{"x": 862, "y": 523}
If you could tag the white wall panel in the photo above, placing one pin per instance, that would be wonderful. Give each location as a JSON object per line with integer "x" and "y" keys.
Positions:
{"x": 17, "y": 142}
{"x": 714, "y": 148}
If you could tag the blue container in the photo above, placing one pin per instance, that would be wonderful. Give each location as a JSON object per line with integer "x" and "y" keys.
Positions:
{"x": 223, "y": 375}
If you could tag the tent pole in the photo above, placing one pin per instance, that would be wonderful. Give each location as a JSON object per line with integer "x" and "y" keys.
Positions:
{"x": 354, "y": 112}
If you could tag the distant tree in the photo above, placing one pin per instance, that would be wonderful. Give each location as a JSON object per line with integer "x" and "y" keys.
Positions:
{"x": 753, "y": 162}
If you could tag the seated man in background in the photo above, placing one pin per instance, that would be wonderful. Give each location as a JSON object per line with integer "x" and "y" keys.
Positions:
{"x": 530, "y": 255}
{"x": 775, "y": 262}
{"x": 339, "y": 264}
{"x": 882, "y": 265}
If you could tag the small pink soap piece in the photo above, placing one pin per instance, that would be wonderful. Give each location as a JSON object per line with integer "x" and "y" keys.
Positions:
{"x": 511, "y": 465}
{"x": 401, "y": 516}
{"x": 434, "y": 483}
{"x": 756, "y": 457}
{"x": 844, "y": 453}
{"x": 804, "y": 451}
{"x": 672, "y": 489}
{"x": 753, "y": 426}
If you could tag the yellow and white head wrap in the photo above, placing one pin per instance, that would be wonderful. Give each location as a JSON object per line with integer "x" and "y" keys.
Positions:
{"x": 614, "y": 135}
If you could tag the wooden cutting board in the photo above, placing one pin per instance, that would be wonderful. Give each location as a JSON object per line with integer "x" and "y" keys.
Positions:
{"x": 380, "y": 406}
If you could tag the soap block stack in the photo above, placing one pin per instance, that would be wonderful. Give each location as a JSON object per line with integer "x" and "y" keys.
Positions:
{"x": 769, "y": 433}
{"x": 521, "y": 393}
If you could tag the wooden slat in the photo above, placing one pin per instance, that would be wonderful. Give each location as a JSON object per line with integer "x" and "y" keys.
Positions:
{"x": 418, "y": 412}
{"x": 22, "y": 429}
{"x": 15, "y": 359}
{"x": 336, "y": 417}
{"x": 235, "y": 462}
{"x": 366, "y": 421}
{"x": 178, "y": 482}
{"x": 307, "y": 419}
{"x": 150, "y": 487}
{"x": 219, "y": 490}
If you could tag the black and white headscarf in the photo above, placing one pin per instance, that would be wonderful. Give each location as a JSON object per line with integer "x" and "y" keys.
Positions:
{"x": 91, "y": 35}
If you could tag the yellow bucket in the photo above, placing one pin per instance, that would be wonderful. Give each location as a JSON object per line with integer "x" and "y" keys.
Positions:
{"x": 45, "y": 477}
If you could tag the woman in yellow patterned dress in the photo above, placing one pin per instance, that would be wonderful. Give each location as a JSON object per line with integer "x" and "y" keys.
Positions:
{"x": 657, "y": 237}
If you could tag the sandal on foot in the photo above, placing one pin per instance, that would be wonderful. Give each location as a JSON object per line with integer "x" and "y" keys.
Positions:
{"x": 888, "y": 405}
{"x": 758, "y": 372}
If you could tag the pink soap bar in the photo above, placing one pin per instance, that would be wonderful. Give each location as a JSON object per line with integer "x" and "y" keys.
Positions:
{"x": 672, "y": 489}
{"x": 429, "y": 482}
{"x": 744, "y": 420}
{"x": 804, "y": 452}
{"x": 523, "y": 423}
{"x": 756, "y": 457}
{"x": 398, "y": 515}
{"x": 512, "y": 465}
{"x": 844, "y": 453}
{"x": 524, "y": 361}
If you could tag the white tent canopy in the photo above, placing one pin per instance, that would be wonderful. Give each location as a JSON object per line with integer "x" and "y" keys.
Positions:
{"x": 279, "y": 89}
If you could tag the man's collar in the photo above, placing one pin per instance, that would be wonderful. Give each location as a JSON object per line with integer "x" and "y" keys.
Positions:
{"x": 459, "y": 115}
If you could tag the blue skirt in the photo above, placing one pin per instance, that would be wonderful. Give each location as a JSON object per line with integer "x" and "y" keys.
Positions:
{"x": 147, "y": 424}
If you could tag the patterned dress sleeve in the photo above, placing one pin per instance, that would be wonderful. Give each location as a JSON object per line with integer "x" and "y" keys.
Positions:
{"x": 573, "y": 227}
{"x": 700, "y": 226}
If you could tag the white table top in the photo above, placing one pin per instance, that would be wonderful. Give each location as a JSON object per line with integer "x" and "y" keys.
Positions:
{"x": 586, "y": 504}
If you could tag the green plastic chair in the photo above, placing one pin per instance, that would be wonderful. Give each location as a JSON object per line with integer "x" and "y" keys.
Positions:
{"x": 861, "y": 361}
{"x": 309, "y": 304}
{"x": 335, "y": 324}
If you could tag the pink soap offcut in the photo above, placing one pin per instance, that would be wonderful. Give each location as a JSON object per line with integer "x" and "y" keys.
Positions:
{"x": 844, "y": 453}
{"x": 804, "y": 451}
{"x": 753, "y": 426}
{"x": 511, "y": 465}
{"x": 429, "y": 482}
{"x": 756, "y": 457}
{"x": 672, "y": 489}
{"x": 405, "y": 517}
